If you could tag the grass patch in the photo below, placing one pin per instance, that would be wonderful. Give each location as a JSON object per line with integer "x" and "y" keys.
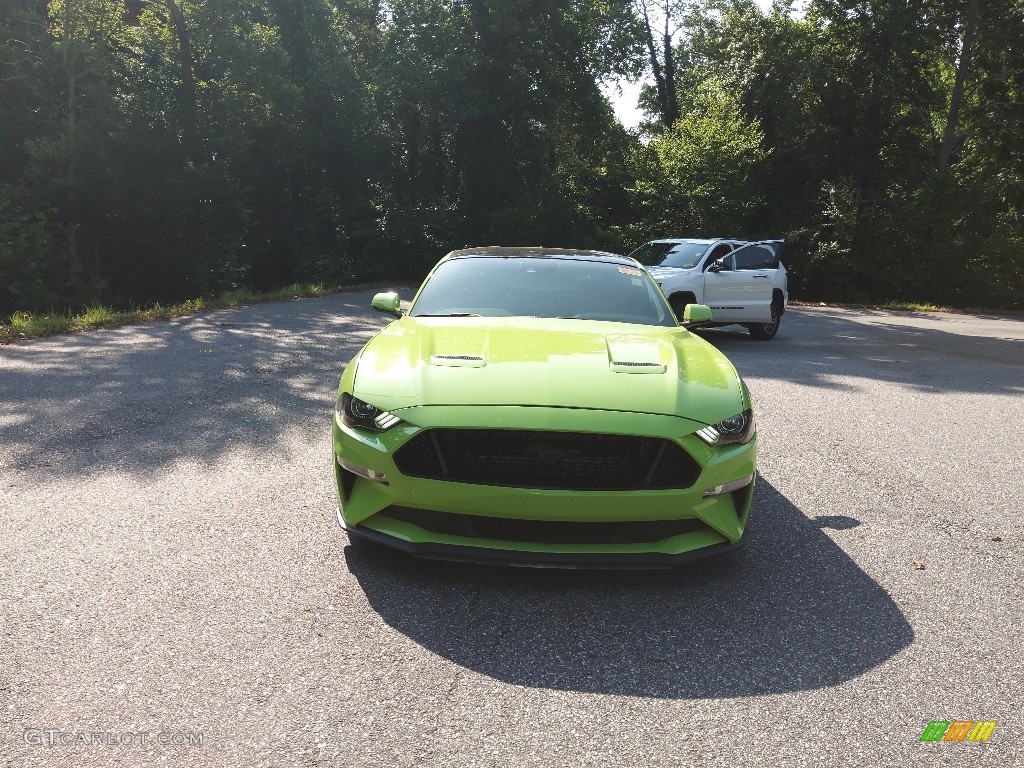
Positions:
{"x": 912, "y": 306}
{"x": 95, "y": 317}
{"x": 915, "y": 306}
{"x": 897, "y": 306}
{"x": 28, "y": 325}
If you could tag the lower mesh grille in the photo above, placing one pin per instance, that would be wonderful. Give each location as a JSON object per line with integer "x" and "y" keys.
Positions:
{"x": 550, "y": 460}
{"x": 543, "y": 531}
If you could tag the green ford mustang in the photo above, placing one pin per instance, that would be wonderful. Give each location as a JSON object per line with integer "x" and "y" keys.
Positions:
{"x": 543, "y": 407}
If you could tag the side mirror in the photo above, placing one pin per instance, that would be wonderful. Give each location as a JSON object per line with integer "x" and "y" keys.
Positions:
{"x": 717, "y": 265}
{"x": 696, "y": 314}
{"x": 387, "y": 302}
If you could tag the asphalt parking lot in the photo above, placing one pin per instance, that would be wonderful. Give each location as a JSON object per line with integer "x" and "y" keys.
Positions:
{"x": 175, "y": 590}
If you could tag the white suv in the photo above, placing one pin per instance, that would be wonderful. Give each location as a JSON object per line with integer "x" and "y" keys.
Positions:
{"x": 743, "y": 282}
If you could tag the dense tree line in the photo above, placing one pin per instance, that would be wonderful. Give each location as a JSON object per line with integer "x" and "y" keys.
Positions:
{"x": 167, "y": 149}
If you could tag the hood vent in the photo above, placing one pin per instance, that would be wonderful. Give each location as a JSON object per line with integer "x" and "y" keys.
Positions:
{"x": 458, "y": 361}
{"x": 628, "y": 367}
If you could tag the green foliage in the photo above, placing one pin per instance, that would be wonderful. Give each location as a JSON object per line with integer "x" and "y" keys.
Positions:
{"x": 853, "y": 102}
{"x": 696, "y": 176}
{"x": 28, "y": 258}
{"x": 156, "y": 151}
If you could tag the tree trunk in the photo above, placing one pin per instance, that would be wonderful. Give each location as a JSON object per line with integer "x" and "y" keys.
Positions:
{"x": 962, "y": 66}
{"x": 866, "y": 176}
{"x": 671, "y": 113}
{"x": 69, "y": 60}
{"x": 188, "y": 96}
{"x": 659, "y": 78}
{"x": 412, "y": 154}
{"x": 662, "y": 68}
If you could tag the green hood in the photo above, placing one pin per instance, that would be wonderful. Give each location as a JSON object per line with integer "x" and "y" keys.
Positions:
{"x": 547, "y": 362}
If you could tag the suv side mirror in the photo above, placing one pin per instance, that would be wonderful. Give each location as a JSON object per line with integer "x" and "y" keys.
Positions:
{"x": 717, "y": 265}
{"x": 387, "y": 302}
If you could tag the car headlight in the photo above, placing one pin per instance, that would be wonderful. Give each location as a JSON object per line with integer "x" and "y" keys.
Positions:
{"x": 735, "y": 429}
{"x": 357, "y": 413}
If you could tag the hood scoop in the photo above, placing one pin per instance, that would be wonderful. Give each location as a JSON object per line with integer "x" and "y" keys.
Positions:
{"x": 458, "y": 361}
{"x": 629, "y": 354}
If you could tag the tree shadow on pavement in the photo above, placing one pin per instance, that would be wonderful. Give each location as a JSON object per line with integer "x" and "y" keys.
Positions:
{"x": 834, "y": 348}
{"x": 139, "y": 398}
{"x": 791, "y": 611}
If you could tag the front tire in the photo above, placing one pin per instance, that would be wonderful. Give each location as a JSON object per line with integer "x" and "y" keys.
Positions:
{"x": 766, "y": 331}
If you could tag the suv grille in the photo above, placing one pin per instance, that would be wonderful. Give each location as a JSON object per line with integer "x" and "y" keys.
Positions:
{"x": 552, "y": 460}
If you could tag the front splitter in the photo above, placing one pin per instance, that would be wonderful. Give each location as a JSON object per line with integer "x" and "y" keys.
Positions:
{"x": 521, "y": 559}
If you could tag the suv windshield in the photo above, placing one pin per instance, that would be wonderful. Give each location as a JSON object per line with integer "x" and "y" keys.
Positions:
{"x": 564, "y": 287}
{"x": 661, "y": 254}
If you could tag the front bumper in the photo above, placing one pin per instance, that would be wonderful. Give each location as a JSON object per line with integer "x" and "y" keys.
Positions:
{"x": 718, "y": 521}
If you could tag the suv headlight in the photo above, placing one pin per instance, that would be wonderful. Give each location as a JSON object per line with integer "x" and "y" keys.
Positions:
{"x": 735, "y": 429}
{"x": 354, "y": 412}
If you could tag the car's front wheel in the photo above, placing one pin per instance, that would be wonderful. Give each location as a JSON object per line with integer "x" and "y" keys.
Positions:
{"x": 766, "y": 331}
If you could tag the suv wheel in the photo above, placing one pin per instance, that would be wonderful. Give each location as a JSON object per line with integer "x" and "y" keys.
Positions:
{"x": 766, "y": 331}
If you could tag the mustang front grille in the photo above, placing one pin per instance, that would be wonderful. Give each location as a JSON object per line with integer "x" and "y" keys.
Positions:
{"x": 551, "y": 460}
{"x": 543, "y": 531}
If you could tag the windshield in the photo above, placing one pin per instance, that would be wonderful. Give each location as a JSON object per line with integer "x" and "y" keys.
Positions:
{"x": 542, "y": 287}
{"x": 660, "y": 254}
